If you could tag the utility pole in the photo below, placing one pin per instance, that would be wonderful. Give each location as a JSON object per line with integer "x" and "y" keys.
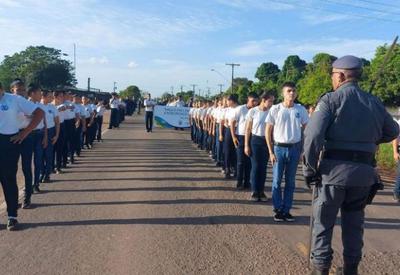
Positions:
{"x": 181, "y": 89}
{"x": 233, "y": 65}
{"x": 75, "y": 59}
{"x": 115, "y": 87}
{"x": 194, "y": 90}
{"x": 220, "y": 88}
{"x": 88, "y": 84}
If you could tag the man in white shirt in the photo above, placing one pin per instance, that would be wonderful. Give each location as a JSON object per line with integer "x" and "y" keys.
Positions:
{"x": 80, "y": 125}
{"x": 229, "y": 147}
{"x": 114, "y": 106}
{"x": 238, "y": 122}
{"x": 71, "y": 122}
{"x": 39, "y": 140}
{"x": 18, "y": 88}
{"x": 100, "y": 109}
{"x": 285, "y": 124}
{"x": 53, "y": 132}
{"x": 90, "y": 113}
{"x": 10, "y": 144}
{"x": 59, "y": 147}
{"x": 149, "y": 108}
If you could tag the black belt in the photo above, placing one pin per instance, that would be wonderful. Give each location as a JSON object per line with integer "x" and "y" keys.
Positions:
{"x": 353, "y": 156}
{"x": 287, "y": 145}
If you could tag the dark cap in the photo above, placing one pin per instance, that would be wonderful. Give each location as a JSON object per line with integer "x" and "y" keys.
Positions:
{"x": 233, "y": 98}
{"x": 347, "y": 62}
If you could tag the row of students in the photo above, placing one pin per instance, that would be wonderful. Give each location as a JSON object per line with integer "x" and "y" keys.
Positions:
{"x": 241, "y": 139}
{"x": 47, "y": 128}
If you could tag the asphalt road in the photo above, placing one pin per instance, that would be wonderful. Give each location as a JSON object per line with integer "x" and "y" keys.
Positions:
{"x": 150, "y": 203}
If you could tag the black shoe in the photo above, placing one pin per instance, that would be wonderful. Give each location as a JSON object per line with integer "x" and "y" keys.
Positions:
{"x": 288, "y": 217}
{"x": 26, "y": 204}
{"x": 58, "y": 171}
{"x": 263, "y": 197}
{"x": 228, "y": 176}
{"x": 396, "y": 197}
{"x": 279, "y": 217}
{"x": 36, "y": 189}
{"x": 350, "y": 269}
{"x": 46, "y": 179}
{"x": 254, "y": 197}
{"x": 12, "y": 224}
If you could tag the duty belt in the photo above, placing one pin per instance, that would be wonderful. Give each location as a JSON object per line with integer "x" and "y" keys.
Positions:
{"x": 353, "y": 156}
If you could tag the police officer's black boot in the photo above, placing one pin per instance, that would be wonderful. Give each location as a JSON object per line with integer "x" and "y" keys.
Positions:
{"x": 349, "y": 269}
{"x": 320, "y": 272}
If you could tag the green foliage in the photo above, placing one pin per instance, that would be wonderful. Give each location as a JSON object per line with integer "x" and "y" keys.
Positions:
{"x": 41, "y": 65}
{"x": 186, "y": 95}
{"x": 387, "y": 86}
{"x": 131, "y": 92}
{"x": 385, "y": 156}
{"x": 293, "y": 69}
{"x": 267, "y": 71}
{"x": 316, "y": 80}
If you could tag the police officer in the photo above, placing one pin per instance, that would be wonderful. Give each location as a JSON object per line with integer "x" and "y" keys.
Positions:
{"x": 59, "y": 146}
{"x": 10, "y": 141}
{"x": 114, "y": 106}
{"x": 338, "y": 128}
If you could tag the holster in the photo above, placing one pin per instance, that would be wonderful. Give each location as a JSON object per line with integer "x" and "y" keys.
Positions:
{"x": 378, "y": 185}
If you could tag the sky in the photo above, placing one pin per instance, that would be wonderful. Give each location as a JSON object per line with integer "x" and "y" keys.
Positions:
{"x": 163, "y": 45}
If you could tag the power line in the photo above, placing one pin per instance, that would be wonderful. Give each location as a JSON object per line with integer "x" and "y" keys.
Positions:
{"x": 379, "y": 3}
{"x": 361, "y": 7}
{"x": 335, "y": 11}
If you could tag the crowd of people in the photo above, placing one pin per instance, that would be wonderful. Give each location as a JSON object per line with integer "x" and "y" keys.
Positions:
{"x": 241, "y": 139}
{"x": 47, "y": 130}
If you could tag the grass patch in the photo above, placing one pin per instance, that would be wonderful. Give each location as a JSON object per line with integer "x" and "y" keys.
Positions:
{"x": 385, "y": 157}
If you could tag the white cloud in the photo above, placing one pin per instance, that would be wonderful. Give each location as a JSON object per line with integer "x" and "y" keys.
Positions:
{"x": 317, "y": 19}
{"x": 132, "y": 64}
{"x": 97, "y": 60}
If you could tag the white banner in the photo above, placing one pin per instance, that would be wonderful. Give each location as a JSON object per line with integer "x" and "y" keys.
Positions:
{"x": 171, "y": 117}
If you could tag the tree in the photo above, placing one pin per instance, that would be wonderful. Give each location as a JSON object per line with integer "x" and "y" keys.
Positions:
{"x": 131, "y": 92}
{"x": 267, "y": 72}
{"x": 387, "y": 86}
{"x": 40, "y": 65}
{"x": 293, "y": 69}
{"x": 317, "y": 80}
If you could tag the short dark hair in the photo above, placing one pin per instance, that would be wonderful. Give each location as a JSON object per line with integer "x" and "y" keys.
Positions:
{"x": 1, "y": 86}
{"x": 289, "y": 84}
{"x": 46, "y": 92}
{"x": 233, "y": 98}
{"x": 33, "y": 88}
{"x": 253, "y": 95}
{"x": 16, "y": 82}
{"x": 58, "y": 92}
{"x": 267, "y": 95}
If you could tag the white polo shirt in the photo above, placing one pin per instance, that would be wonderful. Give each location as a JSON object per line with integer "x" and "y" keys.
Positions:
{"x": 100, "y": 110}
{"x": 257, "y": 116}
{"x": 287, "y": 122}
{"x": 61, "y": 114}
{"x": 51, "y": 113}
{"x": 10, "y": 107}
{"x": 114, "y": 103}
{"x": 88, "y": 110}
{"x": 240, "y": 118}
{"x": 229, "y": 116}
{"x": 149, "y": 105}
{"x": 70, "y": 112}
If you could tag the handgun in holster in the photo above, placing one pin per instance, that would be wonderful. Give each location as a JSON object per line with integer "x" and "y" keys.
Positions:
{"x": 378, "y": 185}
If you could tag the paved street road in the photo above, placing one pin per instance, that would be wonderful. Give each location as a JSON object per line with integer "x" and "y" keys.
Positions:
{"x": 152, "y": 204}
